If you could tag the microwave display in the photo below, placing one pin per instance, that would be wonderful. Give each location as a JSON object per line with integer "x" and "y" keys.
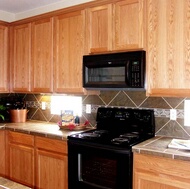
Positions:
{"x": 118, "y": 70}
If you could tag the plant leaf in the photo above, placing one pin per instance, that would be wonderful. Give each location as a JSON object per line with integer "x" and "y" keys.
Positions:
{"x": 2, "y": 117}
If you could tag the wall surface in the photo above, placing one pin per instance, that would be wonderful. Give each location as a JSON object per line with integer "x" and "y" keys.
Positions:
{"x": 127, "y": 99}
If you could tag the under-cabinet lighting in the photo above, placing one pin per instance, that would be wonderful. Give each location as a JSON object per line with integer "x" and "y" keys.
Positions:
{"x": 59, "y": 103}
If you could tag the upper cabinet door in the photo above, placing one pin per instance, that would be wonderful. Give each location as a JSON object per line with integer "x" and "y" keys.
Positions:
{"x": 42, "y": 55}
{"x": 99, "y": 28}
{"x": 115, "y": 27}
{"x": 68, "y": 52}
{"x": 168, "y": 55}
{"x": 129, "y": 25}
{"x": 21, "y": 58}
{"x": 4, "y": 80}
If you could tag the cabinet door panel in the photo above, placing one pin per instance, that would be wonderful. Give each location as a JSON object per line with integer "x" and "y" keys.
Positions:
{"x": 42, "y": 55}
{"x": 154, "y": 172}
{"x": 21, "y": 58}
{"x": 148, "y": 181}
{"x": 168, "y": 48}
{"x": 4, "y": 81}
{"x": 21, "y": 164}
{"x": 68, "y": 51}
{"x": 51, "y": 163}
{"x": 99, "y": 28}
{"x": 20, "y": 157}
{"x": 52, "y": 170}
{"x": 117, "y": 26}
{"x": 129, "y": 24}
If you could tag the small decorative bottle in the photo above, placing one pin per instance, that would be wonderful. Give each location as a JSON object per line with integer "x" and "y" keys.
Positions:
{"x": 77, "y": 120}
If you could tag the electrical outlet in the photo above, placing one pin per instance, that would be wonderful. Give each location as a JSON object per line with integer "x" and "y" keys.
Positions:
{"x": 88, "y": 108}
{"x": 43, "y": 105}
{"x": 173, "y": 114}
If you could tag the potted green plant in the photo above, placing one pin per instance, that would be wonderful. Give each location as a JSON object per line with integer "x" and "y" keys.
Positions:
{"x": 2, "y": 108}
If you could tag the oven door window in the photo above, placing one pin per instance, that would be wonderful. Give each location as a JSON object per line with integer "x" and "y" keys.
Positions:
{"x": 97, "y": 171}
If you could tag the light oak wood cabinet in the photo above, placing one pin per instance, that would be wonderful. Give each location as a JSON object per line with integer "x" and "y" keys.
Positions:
{"x": 20, "y": 157}
{"x": 68, "y": 52}
{"x": 2, "y": 153}
{"x": 168, "y": 57}
{"x": 42, "y": 56}
{"x": 4, "y": 60}
{"x": 32, "y": 56}
{"x": 99, "y": 28}
{"x": 47, "y": 55}
{"x": 47, "y": 51}
{"x": 21, "y": 58}
{"x": 38, "y": 162}
{"x": 129, "y": 24}
{"x": 116, "y": 26}
{"x": 51, "y": 163}
{"x": 152, "y": 172}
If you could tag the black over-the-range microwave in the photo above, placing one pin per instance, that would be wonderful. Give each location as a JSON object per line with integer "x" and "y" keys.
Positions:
{"x": 115, "y": 70}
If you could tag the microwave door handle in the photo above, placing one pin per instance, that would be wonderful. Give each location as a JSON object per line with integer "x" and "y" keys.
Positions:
{"x": 127, "y": 73}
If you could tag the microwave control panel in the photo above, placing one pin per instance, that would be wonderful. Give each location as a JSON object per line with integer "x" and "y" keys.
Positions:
{"x": 135, "y": 74}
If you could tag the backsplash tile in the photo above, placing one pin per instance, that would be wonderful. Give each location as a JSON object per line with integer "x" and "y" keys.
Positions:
{"x": 126, "y": 99}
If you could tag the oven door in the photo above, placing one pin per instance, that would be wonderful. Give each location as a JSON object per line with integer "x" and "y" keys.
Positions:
{"x": 92, "y": 166}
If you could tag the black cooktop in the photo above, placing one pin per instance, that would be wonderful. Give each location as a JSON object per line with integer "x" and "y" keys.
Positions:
{"x": 123, "y": 127}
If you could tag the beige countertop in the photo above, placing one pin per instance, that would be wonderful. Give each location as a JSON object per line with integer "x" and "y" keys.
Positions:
{"x": 159, "y": 146}
{"x": 8, "y": 184}
{"x": 40, "y": 128}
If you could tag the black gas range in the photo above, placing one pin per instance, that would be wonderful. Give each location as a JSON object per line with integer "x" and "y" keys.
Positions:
{"x": 102, "y": 158}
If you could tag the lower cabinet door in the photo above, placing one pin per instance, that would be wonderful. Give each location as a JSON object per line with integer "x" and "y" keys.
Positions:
{"x": 154, "y": 172}
{"x": 51, "y": 170}
{"x": 21, "y": 162}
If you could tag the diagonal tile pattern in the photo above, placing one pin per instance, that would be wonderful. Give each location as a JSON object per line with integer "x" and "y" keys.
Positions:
{"x": 127, "y": 99}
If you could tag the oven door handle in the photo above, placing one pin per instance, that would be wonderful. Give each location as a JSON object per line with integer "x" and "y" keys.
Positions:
{"x": 80, "y": 167}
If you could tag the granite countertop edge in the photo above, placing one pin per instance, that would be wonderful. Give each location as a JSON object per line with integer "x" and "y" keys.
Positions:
{"x": 40, "y": 128}
{"x": 158, "y": 146}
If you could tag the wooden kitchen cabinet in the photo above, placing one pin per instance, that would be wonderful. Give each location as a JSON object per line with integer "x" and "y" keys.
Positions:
{"x": 42, "y": 56}
{"x": 129, "y": 24}
{"x": 159, "y": 172}
{"x": 21, "y": 58}
{"x": 51, "y": 163}
{"x": 116, "y": 26}
{"x": 32, "y": 56}
{"x": 168, "y": 37}
{"x": 20, "y": 157}
{"x": 99, "y": 28}
{"x": 68, "y": 52}
{"x": 2, "y": 152}
{"x": 37, "y": 162}
{"x": 4, "y": 60}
